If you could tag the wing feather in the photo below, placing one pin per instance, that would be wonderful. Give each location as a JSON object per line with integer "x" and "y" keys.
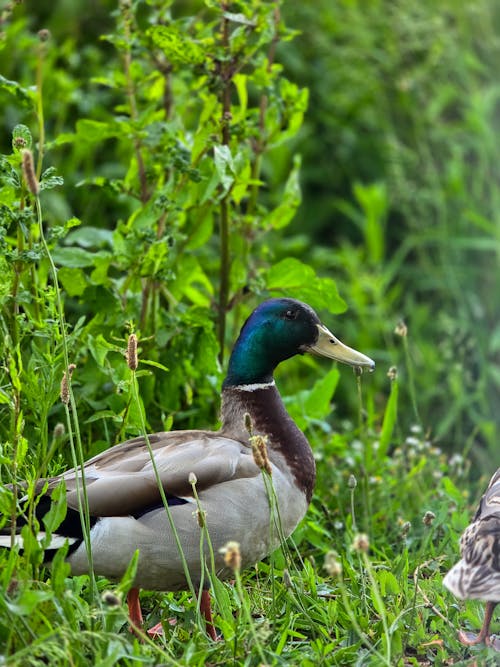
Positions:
{"x": 121, "y": 480}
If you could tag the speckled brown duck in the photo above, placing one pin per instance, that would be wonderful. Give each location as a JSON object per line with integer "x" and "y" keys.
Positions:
{"x": 477, "y": 573}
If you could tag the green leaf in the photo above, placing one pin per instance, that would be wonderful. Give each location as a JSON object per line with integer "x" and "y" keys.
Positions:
{"x": 318, "y": 402}
{"x": 129, "y": 575}
{"x": 8, "y": 175}
{"x": 99, "y": 347}
{"x": 90, "y": 237}
{"x": 95, "y": 130}
{"x": 390, "y": 417}
{"x": 28, "y": 601}
{"x": 373, "y": 200}
{"x": 155, "y": 364}
{"x": 291, "y": 277}
{"x": 49, "y": 179}
{"x": 292, "y": 197}
{"x": 73, "y": 258}
{"x": 452, "y": 491}
{"x": 21, "y": 138}
{"x": 224, "y": 166}
{"x": 25, "y": 96}
{"x": 177, "y": 47}
{"x": 239, "y": 18}
{"x": 73, "y": 280}
{"x": 57, "y": 511}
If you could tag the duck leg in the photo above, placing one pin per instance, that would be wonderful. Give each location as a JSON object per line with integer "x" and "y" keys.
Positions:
{"x": 136, "y": 620}
{"x": 470, "y": 639}
{"x": 206, "y": 610}
{"x": 134, "y": 609}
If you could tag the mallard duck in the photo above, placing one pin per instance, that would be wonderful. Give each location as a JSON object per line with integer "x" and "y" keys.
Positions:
{"x": 126, "y": 510}
{"x": 477, "y": 573}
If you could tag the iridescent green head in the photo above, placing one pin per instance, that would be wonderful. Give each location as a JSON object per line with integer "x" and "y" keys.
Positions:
{"x": 277, "y": 330}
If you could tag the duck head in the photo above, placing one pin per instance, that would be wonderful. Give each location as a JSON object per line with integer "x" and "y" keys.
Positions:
{"x": 277, "y": 330}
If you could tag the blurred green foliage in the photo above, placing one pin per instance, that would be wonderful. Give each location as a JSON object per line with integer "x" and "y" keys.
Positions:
{"x": 398, "y": 171}
{"x": 400, "y": 179}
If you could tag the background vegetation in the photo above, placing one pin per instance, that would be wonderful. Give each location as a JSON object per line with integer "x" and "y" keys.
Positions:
{"x": 195, "y": 158}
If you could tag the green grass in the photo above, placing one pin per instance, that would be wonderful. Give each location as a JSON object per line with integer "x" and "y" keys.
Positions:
{"x": 383, "y": 606}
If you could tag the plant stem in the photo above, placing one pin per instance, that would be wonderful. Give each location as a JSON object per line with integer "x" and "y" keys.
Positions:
{"x": 39, "y": 109}
{"x": 161, "y": 490}
{"x": 226, "y": 76}
{"x": 72, "y": 420}
{"x": 411, "y": 379}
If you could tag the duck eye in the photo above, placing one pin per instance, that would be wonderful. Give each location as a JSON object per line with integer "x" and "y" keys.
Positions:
{"x": 291, "y": 314}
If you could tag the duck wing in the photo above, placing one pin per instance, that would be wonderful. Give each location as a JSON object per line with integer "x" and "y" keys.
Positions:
{"x": 121, "y": 480}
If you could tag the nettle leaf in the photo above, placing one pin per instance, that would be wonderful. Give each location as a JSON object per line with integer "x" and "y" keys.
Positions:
{"x": 73, "y": 258}
{"x": 95, "y": 130}
{"x": 50, "y": 180}
{"x": 25, "y": 96}
{"x": 73, "y": 280}
{"x": 8, "y": 174}
{"x": 179, "y": 49}
{"x": 224, "y": 166}
{"x": 239, "y": 18}
{"x": 21, "y": 138}
{"x": 293, "y": 278}
{"x": 90, "y": 237}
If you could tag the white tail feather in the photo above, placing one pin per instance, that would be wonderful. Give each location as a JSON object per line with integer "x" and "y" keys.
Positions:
{"x": 56, "y": 542}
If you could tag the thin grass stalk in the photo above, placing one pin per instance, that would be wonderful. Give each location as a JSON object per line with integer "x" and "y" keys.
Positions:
{"x": 204, "y": 536}
{"x": 247, "y": 614}
{"x": 39, "y": 106}
{"x": 284, "y": 543}
{"x": 366, "y": 450}
{"x": 161, "y": 490}
{"x": 411, "y": 380}
{"x": 72, "y": 419}
{"x": 356, "y": 626}
{"x": 380, "y": 604}
{"x": 225, "y": 263}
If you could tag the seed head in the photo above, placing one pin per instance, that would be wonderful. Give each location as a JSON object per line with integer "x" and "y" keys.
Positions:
{"x": 29, "y": 172}
{"x": 361, "y": 542}
{"x": 392, "y": 373}
{"x": 44, "y": 35}
{"x": 19, "y": 142}
{"x": 59, "y": 430}
{"x": 287, "y": 580}
{"x": 332, "y": 564}
{"x": 65, "y": 382}
{"x": 131, "y": 355}
{"x": 201, "y": 517}
{"x": 428, "y": 518}
{"x": 405, "y": 528}
{"x": 401, "y": 329}
{"x": 111, "y": 599}
{"x": 192, "y": 479}
{"x": 232, "y": 555}
{"x": 248, "y": 423}
{"x": 259, "y": 451}
{"x": 352, "y": 482}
